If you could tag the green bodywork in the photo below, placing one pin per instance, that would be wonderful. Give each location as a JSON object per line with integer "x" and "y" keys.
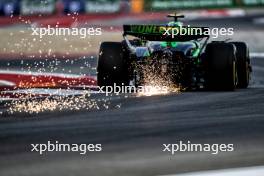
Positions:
{"x": 159, "y": 30}
{"x": 195, "y": 52}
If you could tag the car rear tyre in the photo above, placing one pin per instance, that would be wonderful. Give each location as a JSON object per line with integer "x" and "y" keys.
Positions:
{"x": 243, "y": 62}
{"x": 221, "y": 66}
{"x": 112, "y": 67}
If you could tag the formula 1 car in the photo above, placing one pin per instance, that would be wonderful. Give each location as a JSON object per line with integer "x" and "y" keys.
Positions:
{"x": 189, "y": 61}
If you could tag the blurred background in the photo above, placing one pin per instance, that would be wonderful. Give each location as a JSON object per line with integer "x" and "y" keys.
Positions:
{"x": 19, "y": 50}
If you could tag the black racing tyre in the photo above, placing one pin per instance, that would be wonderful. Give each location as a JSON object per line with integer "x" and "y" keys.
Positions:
{"x": 221, "y": 66}
{"x": 112, "y": 67}
{"x": 243, "y": 64}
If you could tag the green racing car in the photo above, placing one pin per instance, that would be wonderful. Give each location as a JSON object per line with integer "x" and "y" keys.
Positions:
{"x": 188, "y": 61}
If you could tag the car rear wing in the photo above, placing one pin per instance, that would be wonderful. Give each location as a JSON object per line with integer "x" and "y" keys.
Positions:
{"x": 166, "y": 33}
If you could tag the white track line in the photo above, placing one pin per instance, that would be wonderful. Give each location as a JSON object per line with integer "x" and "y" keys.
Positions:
{"x": 247, "y": 171}
{"x": 6, "y": 83}
{"x": 256, "y": 54}
{"x": 40, "y": 74}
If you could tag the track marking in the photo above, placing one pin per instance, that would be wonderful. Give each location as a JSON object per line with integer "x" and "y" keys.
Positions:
{"x": 6, "y": 83}
{"x": 256, "y": 54}
{"x": 40, "y": 73}
{"x": 256, "y": 171}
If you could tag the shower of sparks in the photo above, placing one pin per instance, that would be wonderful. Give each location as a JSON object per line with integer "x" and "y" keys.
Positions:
{"x": 157, "y": 83}
{"x": 49, "y": 104}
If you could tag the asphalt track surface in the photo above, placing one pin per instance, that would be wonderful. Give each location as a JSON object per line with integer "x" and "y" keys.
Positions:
{"x": 132, "y": 135}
